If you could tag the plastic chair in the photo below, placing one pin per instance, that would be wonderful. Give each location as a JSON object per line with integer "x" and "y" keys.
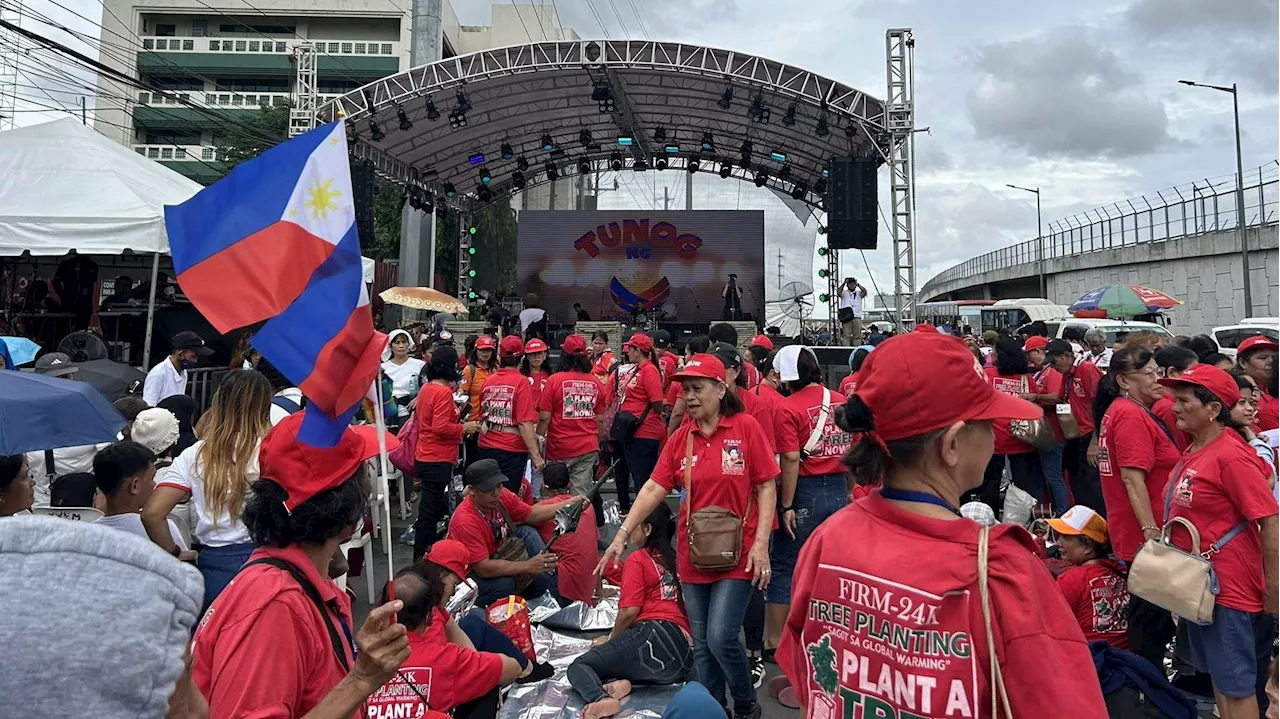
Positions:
{"x": 75, "y": 514}
{"x": 360, "y": 540}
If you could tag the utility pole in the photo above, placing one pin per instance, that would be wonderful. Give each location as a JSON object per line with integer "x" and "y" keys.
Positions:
{"x": 1039, "y": 238}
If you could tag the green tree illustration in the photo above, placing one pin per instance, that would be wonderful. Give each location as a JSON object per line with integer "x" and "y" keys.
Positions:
{"x": 824, "y": 664}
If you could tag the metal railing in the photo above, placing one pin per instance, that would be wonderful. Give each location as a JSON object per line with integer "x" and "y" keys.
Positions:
{"x": 221, "y": 99}
{"x": 1195, "y": 208}
{"x": 178, "y": 153}
{"x": 202, "y": 382}
{"x": 376, "y": 48}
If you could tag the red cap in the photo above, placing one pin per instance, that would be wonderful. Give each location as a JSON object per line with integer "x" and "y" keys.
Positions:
{"x": 926, "y": 327}
{"x": 305, "y": 470}
{"x": 947, "y": 385}
{"x": 511, "y": 346}
{"x": 485, "y": 342}
{"x": 449, "y": 554}
{"x": 1035, "y": 343}
{"x": 762, "y": 341}
{"x": 574, "y": 345}
{"x": 703, "y": 366}
{"x": 640, "y": 341}
{"x": 535, "y": 345}
{"x": 1256, "y": 342}
{"x": 1220, "y": 383}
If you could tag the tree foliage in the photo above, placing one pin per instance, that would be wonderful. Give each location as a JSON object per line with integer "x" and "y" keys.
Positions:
{"x": 824, "y": 664}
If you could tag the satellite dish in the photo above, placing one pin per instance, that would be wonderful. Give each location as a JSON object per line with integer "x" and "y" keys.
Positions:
{"x": 795, "y": 300}
{"x": 83, "y": 347}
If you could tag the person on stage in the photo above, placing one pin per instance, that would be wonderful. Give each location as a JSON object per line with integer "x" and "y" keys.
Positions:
{"x": 732, "y": 295}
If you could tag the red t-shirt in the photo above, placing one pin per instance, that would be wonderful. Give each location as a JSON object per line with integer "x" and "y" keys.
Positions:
{"x": 1130, "y": 437}
{"x": 764, "y": 406}
{"x": 1098, "y": 594}
{"x": 601, "y": 365}
{"x": 1084, "y": 387}
{"x": 573, "y": 400}
{"x": 577, "y": 553}
{"x": 505, "y": 402}
{"x": 797, "y": 420}
{"x": 639, "y": 391}
{"x": 753, "y": 375}
{"x": 648, "y": 585}
{"x": 483, "y": 532}
{"x": 1216, "y": 488}
{"x": 726, "y": 467}
{"x": 261, "y": 650}
{"x": 526, "y": 491}
{"x": 1013, "y": 385}
{"x": 445, "y": 674}
{"x": 439, "y": 430}
{"x": 670, "y": 365}
{"x": 537, "y": 383}
{"x": 1163, "y": 408}
{"x": 674, "y": 391}
{"x": 1268, "y": 411}
{"x": 874, "y": 630}
{"x": 849, "y": 384}
{"x": 1050, "y": 382}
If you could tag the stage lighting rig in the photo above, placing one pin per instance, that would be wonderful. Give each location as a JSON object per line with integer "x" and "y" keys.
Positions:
{"x": 758, "y": 113}
{"x": 726, "y": 99}
{"x": 457, "y": 119}
{"x": 822, "y": 230}
{"x": 708, "y": 142}
{"x": 726, "y": 169}
{"x": 693, "y": 164}
{"x": 375, "y": 133}
{"x": 640, "y": 165}
{"x": 464, "y": 105}
{"x": 507, "y": 152}
{"x": 472, "y": 230}
{"x": 485, "y": 177}
{"x": 762, "y": 178}
{"x": 823, "y": 297}
{"x": 661, "y": 162}
{"x": 822, "y": 130}
{"x": 823, "y": 272}
{"x": 745, "y": 151}
{"x": 615, "y": 161}
{"x": 660, "y": 134}
{"x": 522, "y": 164}
{"x": 785, "y": 173}
{"x": 552, "y": 172}
{"x": 820, "y": 186}
{"x": 403, "y": 117}
{"x": 603, "y": 95}
{"x": 850, "y": 130}
{"x": 433, "y": 112}
{"x": 822, "y": 251}
{"x": 450, "y": 191}
{"x": 584, "y": 137}
{"x": 517, "y": 180}
{"x": 799, "y": 191}
{"x": 584, "y": 166}
{"x": 790, "y": 118}
{"x": 547, "y": 143}
{"x": 415, "y": 201}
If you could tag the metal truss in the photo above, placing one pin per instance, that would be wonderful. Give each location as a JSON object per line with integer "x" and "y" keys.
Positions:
{"x": 900, "y": 123}
{"x": 464, "y": 256}
{"x": 833, "y": 291}
{"x": 302, "y": 115}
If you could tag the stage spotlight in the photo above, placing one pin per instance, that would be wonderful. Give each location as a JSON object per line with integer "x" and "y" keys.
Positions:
{"x": 603, "y": 95}
{"x": 615, "y": 161}
{"x": 485, "y": 177}
{"x": 822, "y": 251}
{"x": 762, "y": 178}
{"x": 824, "y": 297}
{"x": 552, "y": 172}
{"x": 464, "y": 105}
{"x": 476, "y": 159}
{"x": 726, "y": 169}
{"x": 790, "y": 118}
{"x": 471, "y": 274}
{"x": 457, "y": 119}
{"x": 471, "y": 295}
{"x": 472, "y": 230}
{"x": 785, "y": 173}
{"x": 823, "y": 272}
{"x": 850, "y": 130}
{"x": 522, "y": 164}
{"x": 450, "y": 191}
{"x": 584, "y": 137}
{"x": 693, "y": 164}
{"x": 507, "y": 152}
{"x": 414, "y": 200}
{"x": 726, "y": 99}
{"x": 799, "y": 191}
{"x": 822, "y": 229}
{"x": 708, "y": 142}
{"x": 660, "y": 134}
{"x": 661, "y": 162}
{"x": 639, "y": 165}
{"x": 471, "y": 250}
{"x": 517, "y": 180}
{"x": 375, "y": 133}
{"x": 758, "y": 113}
{"x": 428, "y": 203}
{"x": 820, "y": 187}
{"x": 547, "y": 144}
{"x": 403, "y": 117}
{"x": 433, "y": 113}
{"x": 584, "y": 166}
{"x": 822, "y": 130}
{"x": 746, "y": 152}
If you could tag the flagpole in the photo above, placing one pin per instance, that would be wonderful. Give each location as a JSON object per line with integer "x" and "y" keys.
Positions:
{"x": 384, "y": 484}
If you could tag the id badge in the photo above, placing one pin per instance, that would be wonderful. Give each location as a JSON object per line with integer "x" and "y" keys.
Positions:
{"x": 1064, "y": 409}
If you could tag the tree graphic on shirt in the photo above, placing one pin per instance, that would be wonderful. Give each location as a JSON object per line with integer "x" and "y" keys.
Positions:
{"x": 824, "y": 664}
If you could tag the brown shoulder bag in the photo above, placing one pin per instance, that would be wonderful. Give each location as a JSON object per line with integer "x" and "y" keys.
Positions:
{"x": 714, "y": 533}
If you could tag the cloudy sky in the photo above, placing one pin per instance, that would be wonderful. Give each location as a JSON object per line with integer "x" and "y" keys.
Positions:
{"x": 1080, "y": 99}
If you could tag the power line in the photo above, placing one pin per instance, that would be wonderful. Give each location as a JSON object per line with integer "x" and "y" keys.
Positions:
{"x": 520, "y": 17}
{"x": 644, "y": 27}
{"x": 625, "y": 31}
{"x": 592, "y": 7}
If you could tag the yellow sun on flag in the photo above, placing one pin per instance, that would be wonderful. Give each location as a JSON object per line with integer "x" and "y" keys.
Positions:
{"x": 322, "y": 199}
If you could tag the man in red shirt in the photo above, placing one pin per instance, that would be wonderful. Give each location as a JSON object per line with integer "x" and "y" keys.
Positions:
{"x": 569, "y": 414}
{"x": 668, "y": 361}
{"x": 1081, "y": 379}
{"x": 277, "y": 642}
{"x": 1257, "y": 357}
{"x": 576, "y": 550}
{"x": 1051, "y": 385}
{"x": 508, "y": 416}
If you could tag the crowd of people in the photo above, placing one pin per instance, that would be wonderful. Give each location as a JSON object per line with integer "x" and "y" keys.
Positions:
{"x": 949, "y": 530}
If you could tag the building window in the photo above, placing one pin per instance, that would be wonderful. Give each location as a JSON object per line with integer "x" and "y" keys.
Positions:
{"x": 199, "y": 28}
{"x": 166, "y": 30}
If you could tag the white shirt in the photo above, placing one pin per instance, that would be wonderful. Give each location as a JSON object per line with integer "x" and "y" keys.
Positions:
{"x": 164, "y": 380}
{"x": 853, "y": 300}
{"x": 132, "y": 523}
{"x": 185, "y": 474}
{"x": 66, "y": 460}
{"x": 404, "y": 378}
{"x": 1102, "y": 361}
{"x": 529, "y": 316}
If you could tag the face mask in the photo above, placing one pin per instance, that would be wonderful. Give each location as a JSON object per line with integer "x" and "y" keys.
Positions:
{"x": 186, "y": 364}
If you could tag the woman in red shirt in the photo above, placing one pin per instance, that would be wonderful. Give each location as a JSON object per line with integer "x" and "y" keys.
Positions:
{"x": 1135, "y": 454}
{"x": 722, "y": 460}
{"x": 602, "y": 360}
{"x": 673, "y": 403}
{"x": 1257, "y": 357}
{"x": 569, "y": 409}
{"x": 508, "y": 416}
{"x": 533, "y": 366}
{"x": 887, "y": 616}
{"x": 856, "y": 358}
{"x": 1080, "y": 382}
{"x": 436, "y": 451}
{"x": 1096, "y": 586}
{"x": 1221, "y": 488}
{"x": 641, "y": 394}
{"x": 650, "y": 641}
{"x": 1011, "y": 375}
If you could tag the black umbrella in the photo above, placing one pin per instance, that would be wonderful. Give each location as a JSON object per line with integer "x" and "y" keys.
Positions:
{"x": 112, "y": 379}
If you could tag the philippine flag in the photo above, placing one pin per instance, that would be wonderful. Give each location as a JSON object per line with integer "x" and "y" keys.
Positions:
{"x": 276, "y": 240}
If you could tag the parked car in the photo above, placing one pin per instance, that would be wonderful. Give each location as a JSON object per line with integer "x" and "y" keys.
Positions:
{"x": 1230, "y": 336}
{"x": 1073, "y": 329}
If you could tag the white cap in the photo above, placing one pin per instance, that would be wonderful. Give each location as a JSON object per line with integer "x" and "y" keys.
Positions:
{"x": 156, "y": 429}
{"x": 787, "y": 362}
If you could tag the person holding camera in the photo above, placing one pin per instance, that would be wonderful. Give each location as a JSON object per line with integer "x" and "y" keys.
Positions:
{"x": 732, "y": 295}
{"x": 850, "y": 312}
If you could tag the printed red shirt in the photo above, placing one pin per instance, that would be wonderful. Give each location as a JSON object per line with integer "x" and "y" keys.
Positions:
{"x": 764, "y": 406}
{"x": 1268, "y": 411}
{"x": 796, "y": 422}
{"x": 726, "y": 467}
{"x": 1085, "y": 377}
{"x": 538, "y": 383}
{"x": 849, "y": 384}
{"x": 1050, "y": 381}
{"x": 445, "y": 674}
{"x": 875, "y": 631}
{"x": 638, "y": 392}
{"x": 670, "y": 365}
{"x": 261, "y": 650}
{"x": 674, "y": 391}
{"x": 482, "y": 532}
{"x": 505, "y": 402}
{"x": 1216, "y": 488}
{"x": 1013, "y": 385}
{"x": 439, "y": 431}
{"x": 1098, "y": 594}
{"x": 601, "y": 365}
{"x": 573, "y": 400}
{"x": 1163, "y": 408}
{"x": 648, "y": 585}
{"x": 753, "y": 375}
{"x": 1130, "y": 437}
{"x": 577, "y": 552}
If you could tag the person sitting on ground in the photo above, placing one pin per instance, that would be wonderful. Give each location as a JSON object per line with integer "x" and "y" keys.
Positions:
{"x": 125, "y": 473}
{"x": 577, "y": 551}
{"x": 651, "y": 624}
{"x": 17, "y": 491}
{"x": 1096, "y": 586}
{"x": 484, "y": 521}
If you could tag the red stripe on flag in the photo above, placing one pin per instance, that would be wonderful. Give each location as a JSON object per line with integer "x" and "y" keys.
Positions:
{"x": 347, "y": 365}
{"x": 257, "y": 277}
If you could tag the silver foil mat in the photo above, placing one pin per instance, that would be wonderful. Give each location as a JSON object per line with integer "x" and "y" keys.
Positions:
{"x": 577, "y": 616}
{"x": 556, "y": 699}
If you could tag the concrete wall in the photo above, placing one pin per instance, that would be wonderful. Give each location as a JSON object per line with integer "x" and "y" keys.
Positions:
{"x": 1204, "y": 271}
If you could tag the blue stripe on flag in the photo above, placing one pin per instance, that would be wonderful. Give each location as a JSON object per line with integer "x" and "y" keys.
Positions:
{"x": 321, "y": 430}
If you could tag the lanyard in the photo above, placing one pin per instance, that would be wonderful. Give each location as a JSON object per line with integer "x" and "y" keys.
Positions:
{"x": 346, "y": 630}
{"x": 906, "y": 495}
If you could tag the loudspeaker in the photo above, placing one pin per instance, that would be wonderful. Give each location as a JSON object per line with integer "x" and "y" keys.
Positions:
{"x": 851, "y": 204}
{"x": 362, "y": 199}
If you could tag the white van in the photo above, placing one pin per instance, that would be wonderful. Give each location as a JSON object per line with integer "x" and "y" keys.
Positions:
{"x": 1230, "y": 337}
{"x": 1073, "y": 329}
{"x": 1012, "y": 314}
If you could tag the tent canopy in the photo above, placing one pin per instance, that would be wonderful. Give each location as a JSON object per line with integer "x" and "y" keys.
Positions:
{"x": 65, "y": 187}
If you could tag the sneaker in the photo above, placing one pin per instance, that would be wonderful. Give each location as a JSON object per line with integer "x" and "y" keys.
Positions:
{"x": 757, "y": 671}
{"x": 408, "y": 537}
{"x": 751, "y": 712}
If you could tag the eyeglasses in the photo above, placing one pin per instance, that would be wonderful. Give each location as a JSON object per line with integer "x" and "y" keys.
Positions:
{"x": 1152, "y": 373}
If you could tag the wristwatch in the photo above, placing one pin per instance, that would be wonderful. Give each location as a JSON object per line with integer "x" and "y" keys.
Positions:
{"x": 792, "y": 508}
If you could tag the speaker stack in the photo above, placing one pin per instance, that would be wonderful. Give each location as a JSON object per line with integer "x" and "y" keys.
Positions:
{"x": 851, "y": 204}
{"x": 362, "y": 198}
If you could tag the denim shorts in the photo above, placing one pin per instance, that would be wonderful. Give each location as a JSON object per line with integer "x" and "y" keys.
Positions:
{"x": 817, "y": 497}
{"x": 1225, "y": 650}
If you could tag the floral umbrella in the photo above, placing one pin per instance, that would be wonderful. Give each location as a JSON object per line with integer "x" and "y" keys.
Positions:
{"x": 423, "y": 298}
{"x": 1118, "y": 301}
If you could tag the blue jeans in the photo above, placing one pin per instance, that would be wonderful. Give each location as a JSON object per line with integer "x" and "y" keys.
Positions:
{"x": 218, "y": 566}
{"x": 716, "y": 611}
{"x": 1051, "y": 463}
{"x": 817, "y": 497}
{"x": 491, "y": 589}
{"x": 487, "y": 638}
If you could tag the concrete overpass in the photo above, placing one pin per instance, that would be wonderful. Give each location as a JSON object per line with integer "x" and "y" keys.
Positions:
{"x": 1187, "y": 246}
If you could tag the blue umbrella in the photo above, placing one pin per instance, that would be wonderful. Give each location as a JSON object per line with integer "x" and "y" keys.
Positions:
{"x": 38, "y": 412}
{"x": 21, "y": 349}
